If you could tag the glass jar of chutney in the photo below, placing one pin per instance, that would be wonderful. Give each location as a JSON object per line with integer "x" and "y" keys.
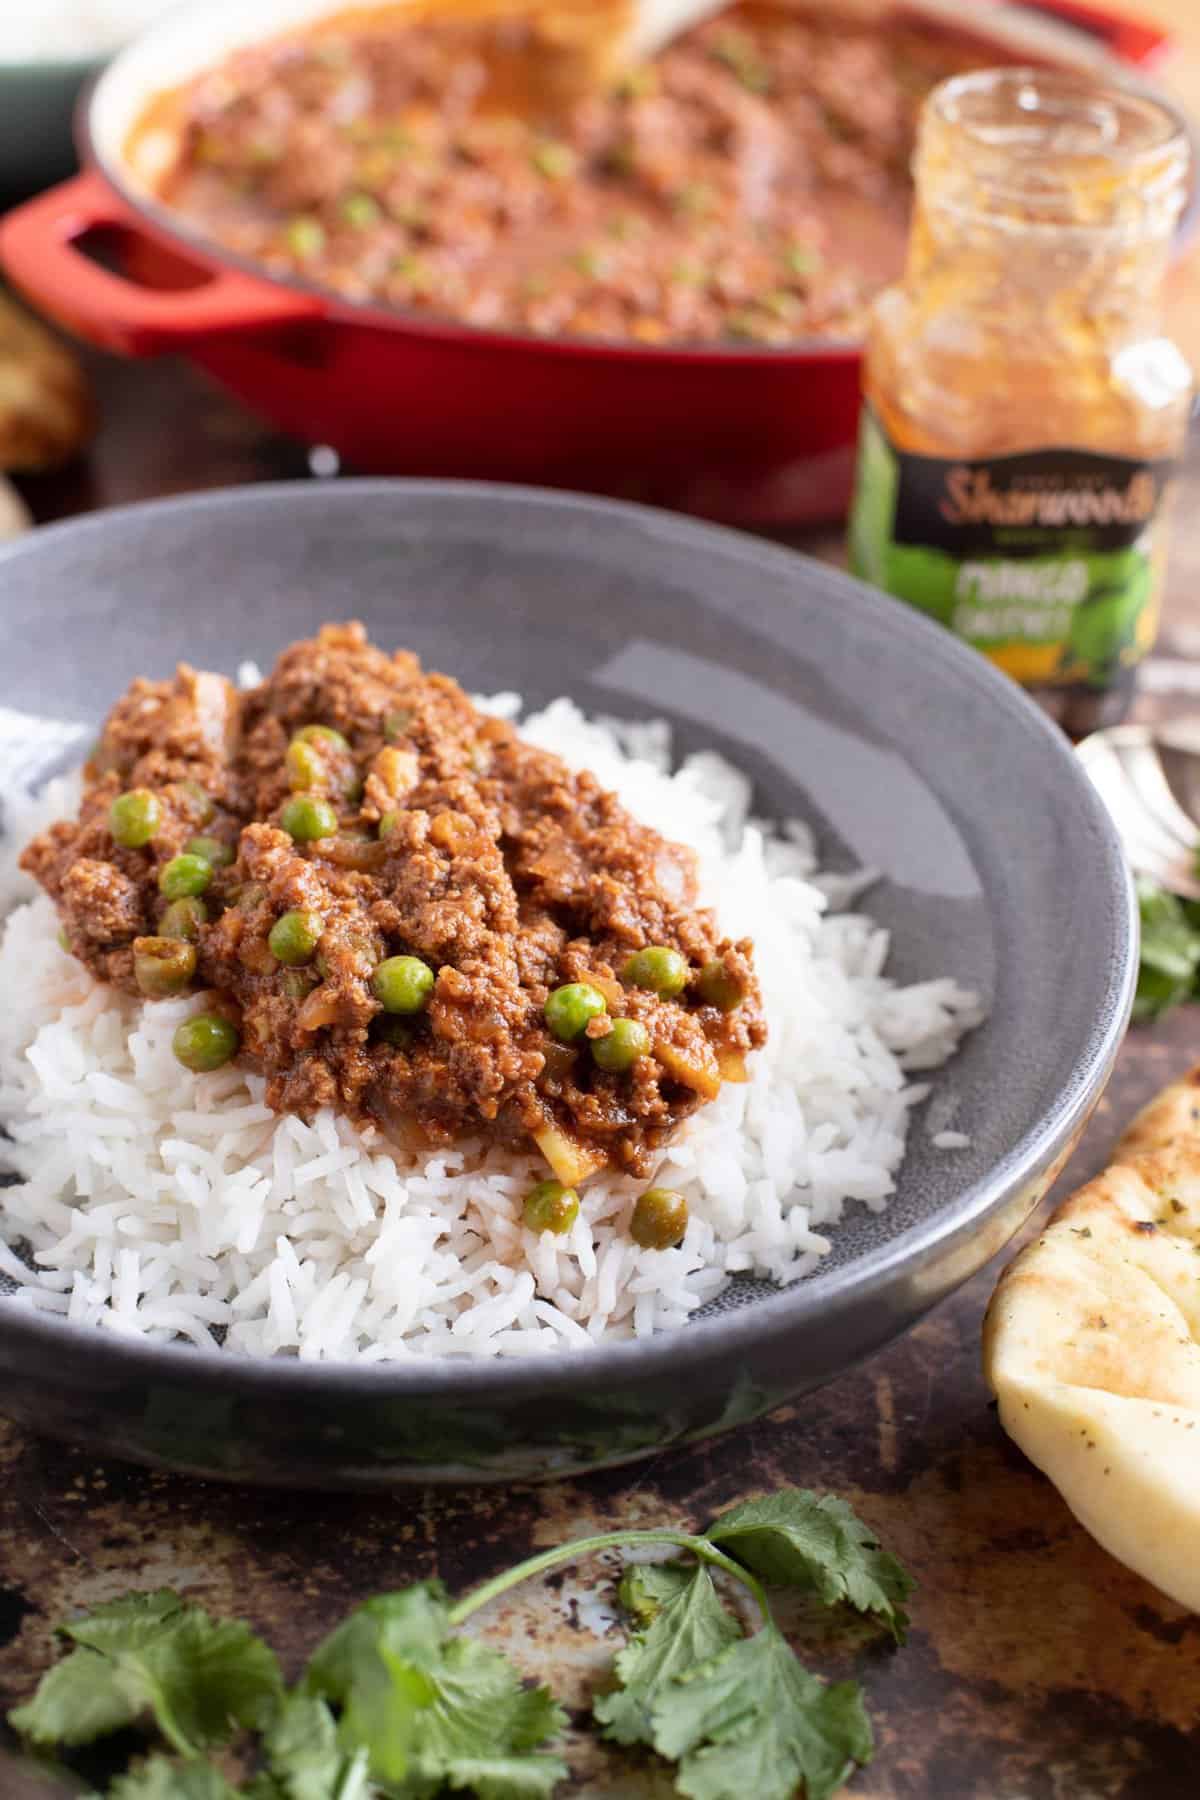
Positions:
{"x": 1024, "y": 410}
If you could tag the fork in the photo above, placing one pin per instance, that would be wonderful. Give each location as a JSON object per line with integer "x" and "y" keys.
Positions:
{"x": 1127, "y": 768}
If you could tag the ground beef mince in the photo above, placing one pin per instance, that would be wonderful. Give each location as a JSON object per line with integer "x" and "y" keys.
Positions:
{"x": 376, "y": 802}
{"x": 752, "y": 183}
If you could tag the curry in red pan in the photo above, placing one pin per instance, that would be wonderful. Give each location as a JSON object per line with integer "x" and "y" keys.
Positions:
{"x": 752, "y": 183}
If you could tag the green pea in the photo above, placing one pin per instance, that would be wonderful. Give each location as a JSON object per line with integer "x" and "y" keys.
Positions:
{"x": 305, "y": 237}
{"x": 320, "y": 734}
{"x": 747, "y": 324}
{"x": 360, "y": 211}
{"x": 591, "y": 263}
{"x": 183, "y": 919}
{"x": 310, "y": 766}
{"x": 184, "y": 876}
{"x": 298, "y": 984}
{"x": 660, "y": 1219}
{"x": 569, "y": 1008}
{"x": 203, "y": 807}
{"x": 162, "y": 966}
{"x": 802, "y": 259}
{"x": 417, "y": 275}
{"x": 396, "y": 725}
{"x": 205, "y": 1043}
{"x": 781, "y": 304}
{"x": 626, "y": 227}
{"x": 295, "y": 936}
{"x": 403, "y": 984}
{"x": 306, "y": 819}
{"x": 551, "y": 1207}
{"x": 717, "y": 987}
{"x": 212, "y": 850}
{"x": 693, "y": 198}
{"x": 305, "y": 767}
{"x": 553, "y": 160}
{"x": 388, "y": 824}
{"x": 637, "y": 84}
{"x": 664, "y": 972}
{"x": 617, "y": 1053}
{"x": 393, "y": 1030}
{"x": 134, "y": 818}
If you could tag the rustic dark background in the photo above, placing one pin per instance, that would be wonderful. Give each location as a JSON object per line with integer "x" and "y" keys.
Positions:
{"x": 1037, "y": 1668}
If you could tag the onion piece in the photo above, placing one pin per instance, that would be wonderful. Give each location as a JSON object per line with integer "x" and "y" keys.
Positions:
{"x": 676, "y": 882}
{"x": 570, "y": 1161}
{"x": 613, "y": 992}
{"x": 695, "y": 1068}
{"x": 319, "y": 1010}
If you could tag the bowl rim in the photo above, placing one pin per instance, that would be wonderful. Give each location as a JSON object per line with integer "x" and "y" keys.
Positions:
{"x": 845, "y": 1288}
{"x": 1011, "y": 20}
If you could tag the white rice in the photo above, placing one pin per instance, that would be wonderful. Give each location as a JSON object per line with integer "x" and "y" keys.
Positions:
{"x": 158, "y": 1203}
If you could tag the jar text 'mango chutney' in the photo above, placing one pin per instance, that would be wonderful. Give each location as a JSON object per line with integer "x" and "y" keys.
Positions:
{"x": 1023, "y": 411}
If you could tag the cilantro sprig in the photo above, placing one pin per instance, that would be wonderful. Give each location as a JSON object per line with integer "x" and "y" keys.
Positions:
{"x": 398, "y": 1704}
{"x": 1169, "y": 969}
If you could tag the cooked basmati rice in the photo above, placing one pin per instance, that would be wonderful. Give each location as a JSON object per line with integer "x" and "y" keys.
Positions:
{"x": 156, "y": 1202}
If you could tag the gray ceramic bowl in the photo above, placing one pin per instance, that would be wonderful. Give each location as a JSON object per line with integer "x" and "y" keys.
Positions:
{"x": 903, "y": 749}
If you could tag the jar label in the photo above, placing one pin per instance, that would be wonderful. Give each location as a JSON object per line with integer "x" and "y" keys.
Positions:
{"x": 1050, "y": 562}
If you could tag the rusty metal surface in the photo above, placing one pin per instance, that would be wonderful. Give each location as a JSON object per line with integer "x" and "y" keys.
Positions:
{"x": 1037, "y": 1668}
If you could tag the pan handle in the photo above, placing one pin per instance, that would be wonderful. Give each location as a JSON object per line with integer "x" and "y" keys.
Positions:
{"x": 1135, "y": 41}
{"x": 39, "y": 250}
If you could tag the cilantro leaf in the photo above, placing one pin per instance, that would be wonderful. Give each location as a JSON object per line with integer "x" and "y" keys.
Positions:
{"x": 373, "y": 1667}
{"x": 211, "y": 1676}
{"x": 1170, "y": 951}
{"x": 86, "y": 1697}
{"x": 415, "y": 1621}
{"x": 483, "y": 1725}
{"x": 688, "y": 1625}
{"x": 124, "y": 1624}
{"x": 647, "y": 1587}
{"x": 305, "y": 1759}
{"x": 754, "y": 1721}
{"x": 77, "y": 1701}
{"x": 504, "y": 1777}
{"x": 429, "y": 1708}
{"x": 799, "y": 1539}
{"x": 160, "y": 1779}
{"x": 199, "y": 1678}
{"x": 482, "y": 1702}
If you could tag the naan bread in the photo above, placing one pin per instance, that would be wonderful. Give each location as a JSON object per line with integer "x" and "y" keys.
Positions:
{"x": 46, "y": 413}
{"x": 1092, "y": 1348}
{"x": 1172, "y": 1117}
